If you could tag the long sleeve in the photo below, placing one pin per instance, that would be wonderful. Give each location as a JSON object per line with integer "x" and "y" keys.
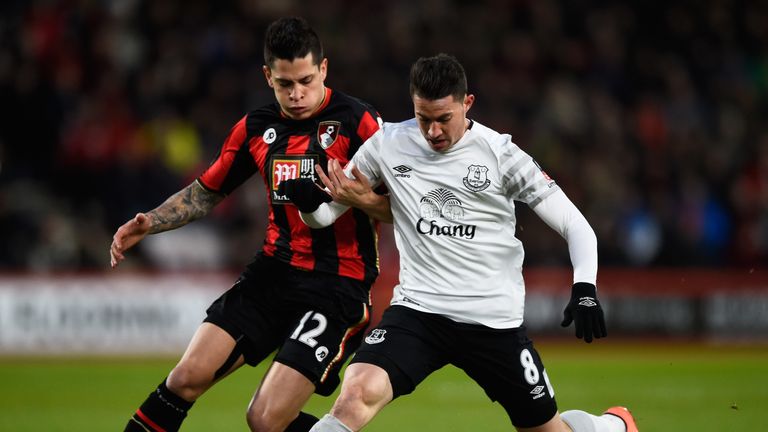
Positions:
{"x": 325, "y": 215}
{"x": 563, "y": 216}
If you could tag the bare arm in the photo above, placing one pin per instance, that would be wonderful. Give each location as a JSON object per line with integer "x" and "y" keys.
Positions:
{"x": 355, "y": 191}
{"x": 186, "y": 205}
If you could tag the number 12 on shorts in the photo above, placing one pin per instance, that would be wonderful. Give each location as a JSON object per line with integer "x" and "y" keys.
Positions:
{"x": 308, "y": 336}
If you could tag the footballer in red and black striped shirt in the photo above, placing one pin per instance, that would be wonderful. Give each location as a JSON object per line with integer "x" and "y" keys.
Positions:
{"x": 306, "y": 293}
{"x": 279, "y": 147}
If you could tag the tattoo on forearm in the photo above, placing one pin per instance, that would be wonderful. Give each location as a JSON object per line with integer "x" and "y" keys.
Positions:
{"x": 186, "y": 205}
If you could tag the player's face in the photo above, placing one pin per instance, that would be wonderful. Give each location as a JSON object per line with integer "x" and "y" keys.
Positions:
{"x": 442, "y": 121}
{"x": 298, "y": 84}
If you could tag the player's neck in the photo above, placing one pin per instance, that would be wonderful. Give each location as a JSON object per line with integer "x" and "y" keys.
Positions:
{"x": 322, "y": 103}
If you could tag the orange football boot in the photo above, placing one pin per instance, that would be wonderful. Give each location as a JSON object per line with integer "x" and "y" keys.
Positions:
{"x": 624, "y": 415}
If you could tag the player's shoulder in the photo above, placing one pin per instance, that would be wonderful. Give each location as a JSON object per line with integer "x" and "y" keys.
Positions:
{"x": 256, "y": 120}
{"x": 407, "y": 127}
{"x": 487, "y": 135}
{"x": 392, "y": 135}
{"x": 343, "y": 100}
{"x": 399, "y": 138}
{"x": 397, "y": 134}
{"x": 496, "y": 142}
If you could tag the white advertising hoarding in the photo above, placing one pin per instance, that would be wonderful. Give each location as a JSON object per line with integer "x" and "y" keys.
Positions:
{"x": 104, "y": 314}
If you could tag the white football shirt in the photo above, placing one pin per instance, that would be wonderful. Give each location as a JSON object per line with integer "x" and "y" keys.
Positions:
{"x": 454, "y": 219}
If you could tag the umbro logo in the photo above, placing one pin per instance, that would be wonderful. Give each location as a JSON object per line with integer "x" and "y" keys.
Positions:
{"x": 402, "y": 171}
{"x": 587, "y": 301}
{"x": 537, "y": 391}
{"x": 410, "y": 300}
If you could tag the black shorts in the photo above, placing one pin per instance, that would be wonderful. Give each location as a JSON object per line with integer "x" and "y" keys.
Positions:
{"x": 410, "y": 345}
{"x": 315, "y": 320}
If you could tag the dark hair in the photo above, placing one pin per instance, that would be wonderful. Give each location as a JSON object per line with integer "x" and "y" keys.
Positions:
{"x": 291, "y": 38}
{"x": 437, "y": 77}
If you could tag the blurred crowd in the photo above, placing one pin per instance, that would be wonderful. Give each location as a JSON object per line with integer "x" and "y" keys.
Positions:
{"x": 651, "y": 115}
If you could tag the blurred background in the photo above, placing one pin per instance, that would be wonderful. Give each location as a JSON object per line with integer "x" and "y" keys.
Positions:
{"x": 651, "y": 116}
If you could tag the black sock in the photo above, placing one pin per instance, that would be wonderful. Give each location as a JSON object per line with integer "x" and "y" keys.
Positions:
{"x": 162, "y": 409}
{"x": 302, "y": 423}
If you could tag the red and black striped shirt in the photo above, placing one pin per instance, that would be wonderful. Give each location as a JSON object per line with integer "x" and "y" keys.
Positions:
{"x": 277, "y": 147}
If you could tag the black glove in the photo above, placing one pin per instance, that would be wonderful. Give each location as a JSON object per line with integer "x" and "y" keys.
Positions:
{"x": 584, "y": 308}
{"x": 303, "y": 193}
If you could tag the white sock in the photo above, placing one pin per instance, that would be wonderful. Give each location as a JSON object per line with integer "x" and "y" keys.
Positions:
{"x": 581, "y": 421}
{"x": 330, "y": 423}
{"x": 616, "y": 421}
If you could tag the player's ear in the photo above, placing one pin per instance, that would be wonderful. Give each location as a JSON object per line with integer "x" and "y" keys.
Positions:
{"x": 468, "y": 101}
{"x": 323, "y": 69}
{"x": 268, "y": 75}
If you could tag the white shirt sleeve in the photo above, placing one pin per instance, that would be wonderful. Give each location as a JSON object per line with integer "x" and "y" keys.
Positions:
{"x": 366, "y": 159}
{"x": 563, "y": 216}
{"x": 522, "y": 176}
{"x": 325, "y": 215}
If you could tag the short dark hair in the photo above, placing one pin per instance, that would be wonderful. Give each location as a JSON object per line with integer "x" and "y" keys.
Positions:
{"x": 437, "y": 77}
{"x": 291, "y": 38}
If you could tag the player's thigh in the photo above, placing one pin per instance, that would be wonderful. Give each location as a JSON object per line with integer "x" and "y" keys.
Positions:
{"x": 209, "y": 349}
{"x": 281, "y": 395}
{"x": 510, "y": 371}
{"x": 252, "y": 311}
{"x": 404, "y": 344}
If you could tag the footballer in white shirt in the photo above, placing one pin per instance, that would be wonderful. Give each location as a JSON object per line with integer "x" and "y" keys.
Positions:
{"x": 452, "y": 187}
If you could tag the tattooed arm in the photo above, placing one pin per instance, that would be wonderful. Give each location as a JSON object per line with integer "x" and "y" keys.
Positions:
{"x": 186, "y": 205}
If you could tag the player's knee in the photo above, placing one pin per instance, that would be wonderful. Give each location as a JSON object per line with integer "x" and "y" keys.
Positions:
{"x": 265, "y": 420}
{"x": 187, "y": 382}
{"x": 359, "y": 393}
{"x": 256, "y": 422}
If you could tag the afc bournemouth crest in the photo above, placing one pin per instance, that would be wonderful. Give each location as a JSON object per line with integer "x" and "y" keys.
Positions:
{"x": 376, "y": 336}
{"x": 327, "y": 132}
{"x": 477, "y": 178}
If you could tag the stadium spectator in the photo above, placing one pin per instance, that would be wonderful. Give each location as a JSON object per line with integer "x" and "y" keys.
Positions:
{"x": 306, "y": 294}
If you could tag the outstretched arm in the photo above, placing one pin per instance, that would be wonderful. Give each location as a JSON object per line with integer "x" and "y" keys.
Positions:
{"x": 584, "y": 308}
{"x": 563, "y": 216}
{"x": 186, "y": 205}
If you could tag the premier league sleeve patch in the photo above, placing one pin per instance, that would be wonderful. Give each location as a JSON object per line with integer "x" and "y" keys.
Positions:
{"x": 327, "y": 132}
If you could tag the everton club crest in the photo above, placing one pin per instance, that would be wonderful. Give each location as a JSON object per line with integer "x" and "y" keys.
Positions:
{"x": 327, "y": 132}
{"x": 477, "y": 178}
{"x": 376, "y": 336}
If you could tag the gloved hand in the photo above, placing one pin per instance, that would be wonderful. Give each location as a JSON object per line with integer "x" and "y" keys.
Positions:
{"x": 303, "y": 193}
{"x": 585, "y": 310}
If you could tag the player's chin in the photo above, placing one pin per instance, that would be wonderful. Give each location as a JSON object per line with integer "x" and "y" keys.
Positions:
{"x": 299, "y": 113}
{"x": 439, "y": 146}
